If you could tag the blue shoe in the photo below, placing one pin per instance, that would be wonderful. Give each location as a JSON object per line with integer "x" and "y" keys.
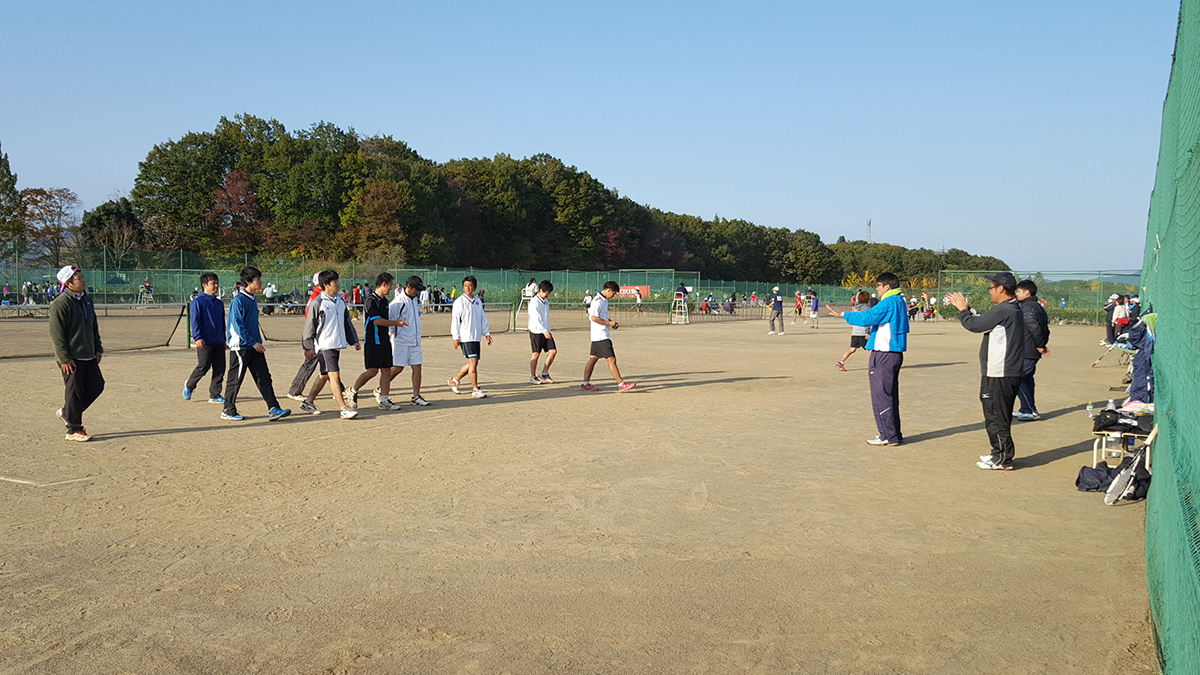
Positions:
{"x": 278, "y": 414}
{"x": 232, "y": 418}
{"x": 187, "y": 394}
{"x": 219, "y": 399}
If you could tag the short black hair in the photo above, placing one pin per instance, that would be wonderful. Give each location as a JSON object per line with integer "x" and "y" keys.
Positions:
{"x": 471, "y": 279}
{"x": 546, "y": 286}
{"x": 207, "y": 277}
{"x": 888, "y": 279}
{"x": 612, "y": 286}
{"x": 1027, "y": 285}
{"x": 249, "y": 274}
{"x": 384, "y": 278}
{"x": 325, "y": 277}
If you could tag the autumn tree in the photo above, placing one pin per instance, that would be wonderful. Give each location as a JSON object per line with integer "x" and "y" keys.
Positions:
{"x": 234, "y": 224}
{"x": 373, "y": 222}
{"x": 51, "y": 223}
{"x": 115, "y": 226}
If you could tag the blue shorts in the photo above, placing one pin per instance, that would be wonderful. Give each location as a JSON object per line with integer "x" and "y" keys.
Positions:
{"x": 470, "y": 350}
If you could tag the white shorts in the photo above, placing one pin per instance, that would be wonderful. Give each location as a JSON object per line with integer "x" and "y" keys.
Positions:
{"x": 812, "y": 315}
{"x": 406, "y": 355}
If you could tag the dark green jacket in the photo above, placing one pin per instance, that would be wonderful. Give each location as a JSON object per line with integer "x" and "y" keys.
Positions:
{"x": 73, "y": 328}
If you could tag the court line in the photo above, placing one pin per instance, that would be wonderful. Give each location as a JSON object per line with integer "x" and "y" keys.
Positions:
{"x": 40, "y": 485}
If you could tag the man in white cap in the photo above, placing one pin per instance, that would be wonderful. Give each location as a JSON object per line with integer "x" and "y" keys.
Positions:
{"x": 1109, "y": 335}
{"x": 77, "y": 348}
{"x": 296, "y": 391}
{"x": 776, "y": 310}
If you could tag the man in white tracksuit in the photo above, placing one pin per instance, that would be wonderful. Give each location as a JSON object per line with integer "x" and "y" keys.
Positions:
{"x": 469, "y": 328}
{"x": 406, "y": 338}
{"x": 540, "y": 338}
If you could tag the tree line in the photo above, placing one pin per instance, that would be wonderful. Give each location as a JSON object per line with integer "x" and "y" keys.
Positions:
{"x": 250, "y": 186}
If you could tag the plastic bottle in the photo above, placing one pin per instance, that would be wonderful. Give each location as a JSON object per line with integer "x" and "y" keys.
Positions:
{"x": 1111, "y": 405}
{"x": 1089, "y": 410}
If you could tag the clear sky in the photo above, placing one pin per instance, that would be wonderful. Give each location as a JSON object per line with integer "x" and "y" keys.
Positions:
{"x": 1024, "y": 130}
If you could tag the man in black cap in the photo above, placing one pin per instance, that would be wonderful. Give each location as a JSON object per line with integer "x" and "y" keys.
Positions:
{"x": 1001, "y": 360}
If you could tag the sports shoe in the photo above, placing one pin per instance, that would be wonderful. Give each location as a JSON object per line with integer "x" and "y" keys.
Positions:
{"x": 59, "y": 413}
{"x": 278, "y": 414}
{"x": 375, "y": 393}
{"x": 386, "y": 404}
{"x": 880, "y": 442}
{"x": 545, "y": 377}
{"x": 309, "y": 408}
{"x": 232, "y": 418}
{"x": 589, "y": 387}
{"x": 626, "y": 386}
{"x": 478, "y": 393}
{"x": 349, "y": 413}
{"x": 781, "y": 332}
{"x": 770, "y": 332}
{"x": 219, "y": 399}
{"x": 1035, "y": 416}
{"x": 418, "y": 400}
{"x": 841, "y": 366}
{"x": 453, "y": 385}
{"x": 297, "y": 397}
{"x": 534, "y": 380}
{"x": 352, "y": 398}
{"x": 1023, "y": 417}
{"x": 992, "y": 464}
{"x": 81, "y": 435}
{"x": 187, "y": 394}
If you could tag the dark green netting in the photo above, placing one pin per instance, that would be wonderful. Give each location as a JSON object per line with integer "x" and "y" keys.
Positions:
{"x": 1171, "y": 274}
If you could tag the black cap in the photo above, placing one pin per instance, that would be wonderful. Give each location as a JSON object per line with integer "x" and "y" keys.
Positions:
{"x": 1005, "y": 279}
{"x": 415, "y": 281}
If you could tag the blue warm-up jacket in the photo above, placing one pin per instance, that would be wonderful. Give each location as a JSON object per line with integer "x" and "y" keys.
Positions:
{"x": 243, "y": 322}
{"x": 208, "y": 319}
{"x": 888, "y": 321}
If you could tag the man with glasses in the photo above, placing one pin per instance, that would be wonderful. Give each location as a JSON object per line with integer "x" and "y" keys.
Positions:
{"x": 889, "y": 339}
{"x": 1001, "y": 360}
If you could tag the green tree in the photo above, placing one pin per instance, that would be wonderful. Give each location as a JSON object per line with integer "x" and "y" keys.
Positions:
{"x": 12, "y": 221}
{"x": 115, "y": 226}
{"x": 51, "y": 223}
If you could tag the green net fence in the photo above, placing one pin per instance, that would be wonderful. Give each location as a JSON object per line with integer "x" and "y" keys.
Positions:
{"x": 1171, "y": 271}
{"x": 1071, "y": 296}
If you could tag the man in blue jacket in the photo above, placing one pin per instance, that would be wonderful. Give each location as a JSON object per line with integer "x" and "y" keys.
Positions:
{"x": 208, "y": 336}
{"x": 247, "y": 351}
{"x": 889, "y": 338}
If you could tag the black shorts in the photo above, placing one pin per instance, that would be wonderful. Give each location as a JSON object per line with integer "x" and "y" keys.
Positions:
{"x": 539, "y": 343}
{"x": 327, "y": 359}
{"x": 603, "y": 349}
{"x": 377, "y": 356}
{"x": 470, "y": 350}
{"x": 858, "y": 341}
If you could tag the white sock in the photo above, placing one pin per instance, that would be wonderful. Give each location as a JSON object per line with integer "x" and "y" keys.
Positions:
{"x": 587, "y": 381}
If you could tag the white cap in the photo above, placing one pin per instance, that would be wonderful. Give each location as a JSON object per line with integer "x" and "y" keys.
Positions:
{"x": 64, "y": 275}
{"x": 316, "y": 278}
{"x": 775, "y": 289}
{"x": 1114, "y": 296}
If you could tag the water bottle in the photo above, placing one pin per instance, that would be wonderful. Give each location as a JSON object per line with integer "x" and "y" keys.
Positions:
{"x": 1111, "y": 405}
{"x": 1089, "y": 410}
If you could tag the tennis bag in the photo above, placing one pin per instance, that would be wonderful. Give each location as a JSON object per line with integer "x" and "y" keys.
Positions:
{"x": 1126, "y": 423}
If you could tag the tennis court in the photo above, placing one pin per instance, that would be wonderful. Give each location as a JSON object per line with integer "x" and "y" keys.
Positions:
{"x": 725, "y": 516}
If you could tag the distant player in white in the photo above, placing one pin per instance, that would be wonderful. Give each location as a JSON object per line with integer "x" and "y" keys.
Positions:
{"x": 638, "y": 292}
{"x": 406, "y": 336}
{"x": 540, "y": 338}
{"x": 602, "y": 346}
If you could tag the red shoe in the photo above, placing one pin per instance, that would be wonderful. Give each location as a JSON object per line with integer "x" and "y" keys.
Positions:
{"x": 841, "y": 366}
{"x": 626, "y": 386}
{"x": 588, "y": 387}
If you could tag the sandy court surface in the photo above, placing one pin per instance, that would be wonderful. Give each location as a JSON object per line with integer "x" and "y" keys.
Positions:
{"x": 725, "y": 516}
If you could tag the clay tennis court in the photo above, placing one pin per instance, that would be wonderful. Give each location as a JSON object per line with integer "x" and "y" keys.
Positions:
{"x": 725, "y": 516}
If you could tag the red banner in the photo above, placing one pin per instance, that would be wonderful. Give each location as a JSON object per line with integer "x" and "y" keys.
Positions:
{"x": 631, "y": 291}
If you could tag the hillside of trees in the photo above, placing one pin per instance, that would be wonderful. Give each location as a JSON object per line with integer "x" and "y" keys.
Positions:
{"x": 251, "y": 186}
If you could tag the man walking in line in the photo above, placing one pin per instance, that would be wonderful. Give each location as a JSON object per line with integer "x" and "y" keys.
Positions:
{"x": 208, "y": 336}
{"x": 888, "y": 321}
{"x": 246, "y": 350}
{"x": 1037, "y": 336}
{"x": 1000, "y": 360}
{"x": 305, "y": 373}
{"x": 776, "y": 311}
{"x": 75, "y": 334}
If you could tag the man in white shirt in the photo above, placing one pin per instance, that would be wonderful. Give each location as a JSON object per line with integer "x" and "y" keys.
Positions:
{"x": 406, "y": 336}
{"x": 587, "y": 299}
{"x": 540, "y": 338}
{"x": 602, "y": 346}
{"x": 468, "y": 328}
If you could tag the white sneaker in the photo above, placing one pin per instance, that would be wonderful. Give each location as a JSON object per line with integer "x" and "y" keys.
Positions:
{"x": 770, "y": 332}
{"x": 352, "y": 398}
{"x": 478, "y": 393}
{"x": 534, "y": 380}
{"x": 59, "y": 413}
{"x": 297, "y": 397}
{"x": 453, "y": 385}
{"x": 418, "y": 400}
{"x": 376, "y": 394}
{"x": 781, "y": 332}
{"x": 349, "y": 413}
{"x": 386, "y": 404}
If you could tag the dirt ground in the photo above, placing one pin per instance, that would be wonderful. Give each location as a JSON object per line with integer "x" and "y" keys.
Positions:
{"x": 725, "y": 516}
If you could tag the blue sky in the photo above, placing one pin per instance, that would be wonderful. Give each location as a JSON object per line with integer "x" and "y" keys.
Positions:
{"x": 1025, "y": 130}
